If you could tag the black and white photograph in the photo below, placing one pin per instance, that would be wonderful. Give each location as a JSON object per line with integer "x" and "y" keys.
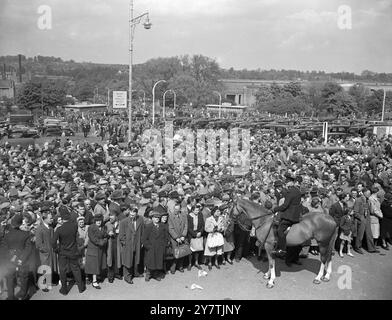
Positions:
{"x": 195, "y": 150}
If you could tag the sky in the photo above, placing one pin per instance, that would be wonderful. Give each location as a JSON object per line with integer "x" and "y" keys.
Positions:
{"x": 243, "y": 34}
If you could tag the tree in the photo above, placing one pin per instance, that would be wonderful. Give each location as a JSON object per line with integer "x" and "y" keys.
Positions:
{"x": 44, "y": 94}
{"x": 373, "y": 102}
{"x": 340, "y": 104}
{"x": 359, "y": 93}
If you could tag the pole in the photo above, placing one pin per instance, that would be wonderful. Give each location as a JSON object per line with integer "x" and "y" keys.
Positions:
{"x": 326, "y": 133}
{"x": 220, "y": 103}
{"x": 175, "y": 98}
{"x": 130, "y": 71}
{"x": 383, "y": 106}
{"x": 153, "y": 100}
{"x": 164, "y": 105}
{"x": 108, "y": 100}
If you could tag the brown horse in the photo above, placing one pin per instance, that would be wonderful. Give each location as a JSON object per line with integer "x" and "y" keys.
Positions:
{"x": 317, "y": 226}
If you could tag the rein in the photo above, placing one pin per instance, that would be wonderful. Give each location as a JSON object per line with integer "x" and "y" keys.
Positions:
{"x": 251, "y": 219}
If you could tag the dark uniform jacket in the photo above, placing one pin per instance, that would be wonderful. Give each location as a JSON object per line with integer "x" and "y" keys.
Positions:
{"x": 65, "y": 240}
{"x": 291, "y": 208}
{"x": 337, "y": 212}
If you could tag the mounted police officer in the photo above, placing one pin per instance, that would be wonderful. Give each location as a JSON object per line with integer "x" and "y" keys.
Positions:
{"x": 290, "y": 210}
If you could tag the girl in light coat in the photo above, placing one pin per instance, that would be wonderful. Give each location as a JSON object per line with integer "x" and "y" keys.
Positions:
{"x": 214, "y": 226}
{"x": 375, "y": 214}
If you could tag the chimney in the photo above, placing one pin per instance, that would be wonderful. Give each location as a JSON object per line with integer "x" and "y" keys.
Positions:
{"x": 20, "y": 68}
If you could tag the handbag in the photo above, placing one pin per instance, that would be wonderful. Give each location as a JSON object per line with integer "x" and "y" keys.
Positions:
{"x": 215, "y": 240}
{"x": 197, "y": 244}
{"x": 182, "y": 250}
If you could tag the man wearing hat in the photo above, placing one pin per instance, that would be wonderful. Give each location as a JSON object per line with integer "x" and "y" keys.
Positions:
{"x": 65, "y": 243}
{"x": 291, "y": 211}
{"x": 115, "y": 206}
{"x": 178, "y": 230}
{"x": 155, "y": 238}
{"x": 20, "y": 249}
{"x": 130, "y": 239}
{"x": 100, "y": 207}
{"x": 43, "y": 241}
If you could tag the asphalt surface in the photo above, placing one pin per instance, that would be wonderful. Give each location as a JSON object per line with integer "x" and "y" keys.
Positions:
{"x": 371, "y": 278}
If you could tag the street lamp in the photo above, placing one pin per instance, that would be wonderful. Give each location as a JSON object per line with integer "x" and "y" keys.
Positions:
{"x": 153, "y": 100}
{"x": 220, "y": 102}
{"x": 132, "y": 24}
{"x": 95, "y": 94}
{"x": 383, "y": 104}
{"x": 164, "y": 101}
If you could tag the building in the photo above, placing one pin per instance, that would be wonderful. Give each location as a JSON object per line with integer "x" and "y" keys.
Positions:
{"x": 7, "y": 88}
{"x": 243, "y": 91}
{"x": 84, "y": 107}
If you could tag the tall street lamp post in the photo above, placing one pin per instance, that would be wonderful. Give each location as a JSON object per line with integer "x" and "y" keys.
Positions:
{"x": 132, "y": 24}
{"x": 220, "y": 103}
{"x": 383, "y": 104}
{"x": 153, "y": 100}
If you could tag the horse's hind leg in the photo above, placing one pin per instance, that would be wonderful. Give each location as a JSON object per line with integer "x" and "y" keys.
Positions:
{"x": 324, "y": 260}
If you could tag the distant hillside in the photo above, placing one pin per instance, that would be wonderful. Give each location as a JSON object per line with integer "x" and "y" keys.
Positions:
{"x": 59, "y": 67}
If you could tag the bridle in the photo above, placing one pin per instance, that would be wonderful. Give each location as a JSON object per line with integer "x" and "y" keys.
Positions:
{"x": 240, "y": 212}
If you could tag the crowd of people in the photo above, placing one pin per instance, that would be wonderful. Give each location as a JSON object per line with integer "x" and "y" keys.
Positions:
{"x": 81, "y": 213}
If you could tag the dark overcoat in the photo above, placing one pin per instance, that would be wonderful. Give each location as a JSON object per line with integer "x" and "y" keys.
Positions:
{"x": 96, "y": 250}
{"x": 131, "y": 240}
{"x": 154, "y": 241}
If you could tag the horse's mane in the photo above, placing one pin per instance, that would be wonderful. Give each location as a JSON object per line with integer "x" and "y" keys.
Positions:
{"x": 253, "y": 205}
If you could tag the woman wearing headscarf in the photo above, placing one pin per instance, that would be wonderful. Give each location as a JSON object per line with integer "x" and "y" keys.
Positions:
{"x": 195, "y": 234}
{"x": 96, "y": 250}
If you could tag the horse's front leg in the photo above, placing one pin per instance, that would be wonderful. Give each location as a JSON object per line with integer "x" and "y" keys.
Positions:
{"x": 271, "y": 267}
{"x": 327, "y": 276}
{"x": 270, "y": 283}
{"x": 317, "y": 280}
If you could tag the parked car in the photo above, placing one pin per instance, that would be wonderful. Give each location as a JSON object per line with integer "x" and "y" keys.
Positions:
{"x": 22, "y": 131}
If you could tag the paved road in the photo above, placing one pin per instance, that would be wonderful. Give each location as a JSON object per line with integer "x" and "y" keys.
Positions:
{"x": 371, "y": 279}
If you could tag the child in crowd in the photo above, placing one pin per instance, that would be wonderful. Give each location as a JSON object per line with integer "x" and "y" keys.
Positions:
{"x": 347, "y": 229}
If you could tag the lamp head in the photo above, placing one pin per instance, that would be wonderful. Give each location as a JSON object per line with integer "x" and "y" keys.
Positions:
{"x": 147, "y": 25}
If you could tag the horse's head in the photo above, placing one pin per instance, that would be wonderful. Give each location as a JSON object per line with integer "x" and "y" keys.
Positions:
{"x": 235, "y": 210}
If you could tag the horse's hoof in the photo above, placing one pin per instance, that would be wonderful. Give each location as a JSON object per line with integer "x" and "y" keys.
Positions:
{"x": 266, "y": 277}
{"x": 316, "y": 281}
{"x": 325, "y": 279}
{"x": 270, "y": 285}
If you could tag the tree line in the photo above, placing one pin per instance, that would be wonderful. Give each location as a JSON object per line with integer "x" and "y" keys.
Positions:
{"x": 194, "y": 79}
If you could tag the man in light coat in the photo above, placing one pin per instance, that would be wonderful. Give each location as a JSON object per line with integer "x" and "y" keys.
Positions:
{"x": 130, "y": 237}
{"x": 178, "y": 229}
{"x": 43, "y": 241}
